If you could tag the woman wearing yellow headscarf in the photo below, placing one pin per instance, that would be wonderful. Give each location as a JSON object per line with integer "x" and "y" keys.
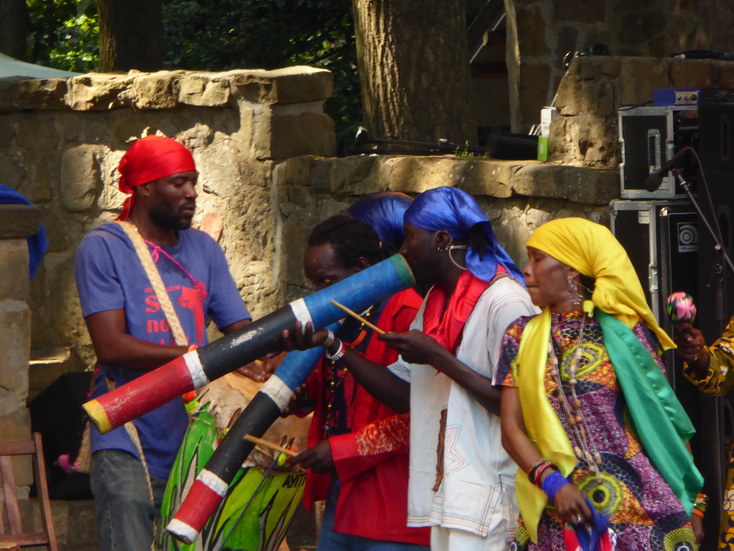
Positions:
{"x": 587, "y": 414}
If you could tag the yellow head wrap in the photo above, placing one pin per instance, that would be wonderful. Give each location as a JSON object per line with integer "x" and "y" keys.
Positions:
{"x": 592, "y": 250}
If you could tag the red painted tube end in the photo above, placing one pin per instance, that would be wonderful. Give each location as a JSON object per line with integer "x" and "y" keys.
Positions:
{"x": 204, "y": 497}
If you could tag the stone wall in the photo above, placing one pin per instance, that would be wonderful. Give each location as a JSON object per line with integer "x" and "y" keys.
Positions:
{"x": 16, "y": 223}
{"x": 516, "y": 195}
{"x": 263, "y": 147}
{"x": 586, "y": 132}
{"x": 540, "y": 33}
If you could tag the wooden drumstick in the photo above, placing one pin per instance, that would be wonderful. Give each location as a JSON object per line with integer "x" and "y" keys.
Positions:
{"x": 356, "y": 316}
{"x": 267, "y": 444}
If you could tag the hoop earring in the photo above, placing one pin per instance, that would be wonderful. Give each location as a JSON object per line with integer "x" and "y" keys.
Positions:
{"x": 448, "y": 248}
{"x": 451, "y": 257}
{"x": 573, "y": 293}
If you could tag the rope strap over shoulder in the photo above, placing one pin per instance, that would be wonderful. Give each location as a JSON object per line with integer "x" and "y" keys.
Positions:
{"x": 155, "y": 281}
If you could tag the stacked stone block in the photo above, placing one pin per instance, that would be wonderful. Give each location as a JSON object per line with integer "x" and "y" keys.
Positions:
{"x": 16, "y": 223}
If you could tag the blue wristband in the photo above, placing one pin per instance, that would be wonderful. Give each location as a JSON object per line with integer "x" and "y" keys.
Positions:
{"x": 552, "y": 483}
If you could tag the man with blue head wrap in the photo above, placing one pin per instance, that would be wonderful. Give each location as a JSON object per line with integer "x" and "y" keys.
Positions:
{"x": 461, "y": 479}
{"x": 456, "y": 212}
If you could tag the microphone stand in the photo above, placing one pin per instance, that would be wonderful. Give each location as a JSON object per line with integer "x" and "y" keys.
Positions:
{"x": 718, "y": 245}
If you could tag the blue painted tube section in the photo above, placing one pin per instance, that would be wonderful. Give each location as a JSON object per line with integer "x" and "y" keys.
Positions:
{"x": 263, "y": 336}
{"x": 298, "y": 364}
{"x": 360, "y": 290}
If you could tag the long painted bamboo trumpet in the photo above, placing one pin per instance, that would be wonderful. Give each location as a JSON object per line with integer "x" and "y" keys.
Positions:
{"x": 195, "y": 369}
{"x": 212, "y": 483}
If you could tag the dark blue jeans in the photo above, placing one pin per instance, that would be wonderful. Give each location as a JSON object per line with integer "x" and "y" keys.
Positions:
{"x": 335, "y": 541}
{"x": 125, "y": 512}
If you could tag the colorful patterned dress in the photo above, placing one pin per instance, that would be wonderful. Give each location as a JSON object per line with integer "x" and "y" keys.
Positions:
{"x": 644, "y": 512}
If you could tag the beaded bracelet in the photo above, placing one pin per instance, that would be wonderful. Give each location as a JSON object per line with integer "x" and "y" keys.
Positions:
{"x": 336, "y": 355}
{"x": 701, "y": 503}
{"x": 535, "y": 466}
{"x": 697, "y": 512}
{"x": 538, "y": 468}
{"x": 541, "y": 470}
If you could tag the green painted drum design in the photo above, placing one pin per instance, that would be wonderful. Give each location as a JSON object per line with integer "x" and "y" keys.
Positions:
{"x": 257, "y": 510}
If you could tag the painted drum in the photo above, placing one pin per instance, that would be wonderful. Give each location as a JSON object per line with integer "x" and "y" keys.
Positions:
{"x": 205, "y": 498}
{"x": 255, "y": 509}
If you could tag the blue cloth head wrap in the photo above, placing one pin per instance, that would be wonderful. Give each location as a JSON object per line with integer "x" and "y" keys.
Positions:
{"x": 453, "y": 210}
{"x": 383, "y": 212}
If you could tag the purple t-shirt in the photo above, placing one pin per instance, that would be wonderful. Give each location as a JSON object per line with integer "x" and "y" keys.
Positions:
{"x": 109, "y": 276}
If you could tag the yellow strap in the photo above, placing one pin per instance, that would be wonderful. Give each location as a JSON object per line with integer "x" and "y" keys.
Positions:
{"x": 541, "y": 422}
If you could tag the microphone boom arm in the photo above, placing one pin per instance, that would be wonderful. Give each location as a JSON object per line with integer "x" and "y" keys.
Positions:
{"x": 718, "y": 245}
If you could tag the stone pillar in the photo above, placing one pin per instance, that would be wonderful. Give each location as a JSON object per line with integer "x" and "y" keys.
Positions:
{"x": 16, "y": 223}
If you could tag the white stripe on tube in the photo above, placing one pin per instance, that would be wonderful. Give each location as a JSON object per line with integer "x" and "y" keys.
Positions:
{"x": 196, "y": 370}
{"x": 277, "y": 391}
{"x": 182, "y": 531}
{"x": 213, "y": 482}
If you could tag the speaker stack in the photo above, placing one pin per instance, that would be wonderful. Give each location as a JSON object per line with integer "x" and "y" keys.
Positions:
{"x": 672, "y": 251}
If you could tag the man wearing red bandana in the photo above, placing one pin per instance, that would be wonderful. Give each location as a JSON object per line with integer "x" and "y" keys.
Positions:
{"x": 132, "y": 335}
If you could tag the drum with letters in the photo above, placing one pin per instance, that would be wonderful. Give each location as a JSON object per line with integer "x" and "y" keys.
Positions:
{"x": 263, "y": 497}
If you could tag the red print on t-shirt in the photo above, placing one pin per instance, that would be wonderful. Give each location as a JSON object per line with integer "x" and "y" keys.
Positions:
{"x": 193, "y": 299}
{"x": 190, "y": 298}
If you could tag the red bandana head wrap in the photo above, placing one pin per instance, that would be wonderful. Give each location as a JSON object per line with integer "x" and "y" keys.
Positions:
{"x": 149, "y": 159}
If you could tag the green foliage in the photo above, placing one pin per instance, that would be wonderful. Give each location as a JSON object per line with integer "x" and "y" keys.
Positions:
{"x": 218, "y": 35}
{"x": 463, "y": 151}
{"x": 64, "y": 34}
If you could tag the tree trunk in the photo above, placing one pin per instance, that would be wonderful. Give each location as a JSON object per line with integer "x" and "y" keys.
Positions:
{"x": 414, "y": 69}
{"x": 130, "y": 35}
{"x": 13, "y": 27}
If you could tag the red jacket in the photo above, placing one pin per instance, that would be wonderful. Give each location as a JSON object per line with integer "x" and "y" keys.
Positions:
{"x": 372, "y": 460}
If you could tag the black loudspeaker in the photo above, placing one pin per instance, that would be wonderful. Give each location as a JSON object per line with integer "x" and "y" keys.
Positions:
{"x": 58, "y": 415}
{"x": 716, "y": 298}
{"x": 716, "y": 127}
{"x": 716, "y": 279}
{"x": 716, "y": 119}
{"x": 663, "y": 240}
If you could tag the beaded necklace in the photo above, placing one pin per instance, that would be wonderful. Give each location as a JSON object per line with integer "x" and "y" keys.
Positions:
{"x": 579, "y": 429}
{"x": 335, "y": 376}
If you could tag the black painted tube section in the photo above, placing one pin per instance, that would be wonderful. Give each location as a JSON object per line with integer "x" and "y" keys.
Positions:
{"x": 257, "y": 417}
{"x": 261, "y": 337}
